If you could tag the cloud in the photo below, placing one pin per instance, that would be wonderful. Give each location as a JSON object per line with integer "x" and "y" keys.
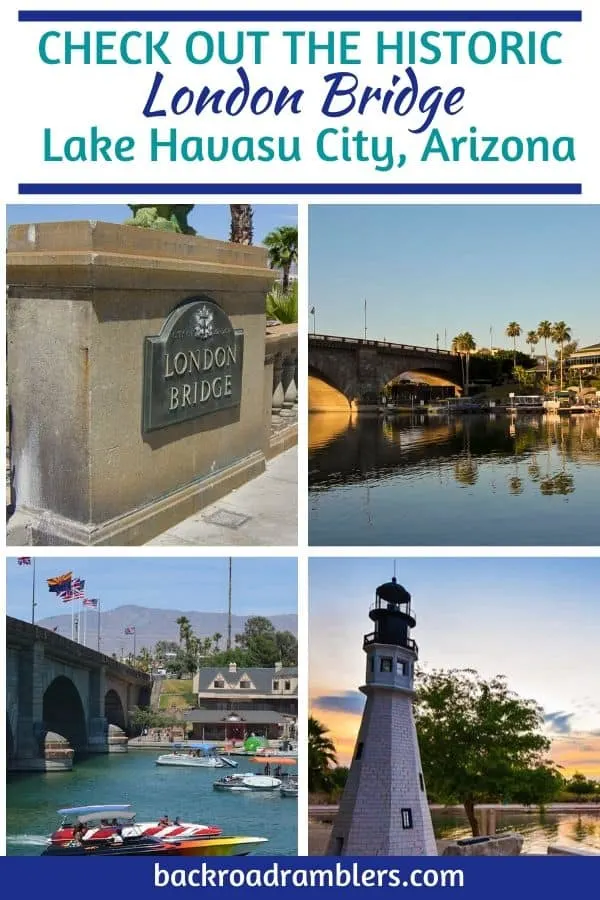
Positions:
{"x": 348, "y": 702}
{"x": 559, "y": 722}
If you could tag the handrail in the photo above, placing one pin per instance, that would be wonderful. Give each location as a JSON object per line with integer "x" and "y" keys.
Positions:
{"x": 362, "y": 342}
{"x": 410, "y": 643}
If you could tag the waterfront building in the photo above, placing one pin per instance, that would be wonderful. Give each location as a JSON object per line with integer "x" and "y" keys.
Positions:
{"x": 235, "y": 702}
{"x": 585, "y": 360}
{"x": 384, "y": 809}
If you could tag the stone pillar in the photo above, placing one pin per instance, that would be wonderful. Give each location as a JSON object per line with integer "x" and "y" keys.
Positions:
{"x": 278, "y": 392}
{"x": 288, "y": 381}
{"x": 29, "y": 738}
{"x": 83, "y": 298}
{"x": 96, "y": 719}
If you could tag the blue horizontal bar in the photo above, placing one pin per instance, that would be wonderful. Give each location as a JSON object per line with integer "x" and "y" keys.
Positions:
{"x": 293, "y": 16}
{"x": 242, "y": 189}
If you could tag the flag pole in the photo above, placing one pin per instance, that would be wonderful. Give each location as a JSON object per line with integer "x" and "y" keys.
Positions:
{"x": 229, "y": 611}
{"x": 84, "y": 624}
{"x": 72, "y": 614}
{"x": 98, "y": 608}
{"x": 33, "y": 591}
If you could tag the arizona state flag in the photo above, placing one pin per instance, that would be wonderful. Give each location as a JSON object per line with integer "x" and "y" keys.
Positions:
{"x": 60, "y": 583}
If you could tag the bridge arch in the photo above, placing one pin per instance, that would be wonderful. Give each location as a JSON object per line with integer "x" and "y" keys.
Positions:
{"x": 113, "y": 709}
{"x": 325, "y": 394}
{"x": 63, "y": 712}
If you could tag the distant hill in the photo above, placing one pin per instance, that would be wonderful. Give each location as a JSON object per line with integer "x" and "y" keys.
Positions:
{"x": 153, "y": 625}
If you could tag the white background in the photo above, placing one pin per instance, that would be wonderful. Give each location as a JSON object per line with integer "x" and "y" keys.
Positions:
{"x": 500, "y": 100}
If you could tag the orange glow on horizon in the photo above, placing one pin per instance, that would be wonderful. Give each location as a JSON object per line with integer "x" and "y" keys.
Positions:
{"x": 578, "y": 752}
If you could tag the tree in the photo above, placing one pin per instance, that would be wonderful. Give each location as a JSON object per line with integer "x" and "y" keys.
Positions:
{"x": 532, "y": 339}
{"x": 241, "y": 228}
{"x": 545, "y": 333}
{"x": 514, "y": 331}
{"x": 185, "y": 631}
{"x": 259, "y": 641}
{"x": 287, "y": 648}
{"x": 143, "y": 660}
{"x": 560, "y": 335}
{"x": 464, "y": 344}
{"x": 321, "y": 756}
{"x": 479, "y": 741}
{"x": 282, "y": 306}
{"x": 162, "y": 217}
{"x": 217, "y": 637}
{"x": 282, "y": 245}
{"x": 163, "y": 648}
{"x": 580, "y": 786}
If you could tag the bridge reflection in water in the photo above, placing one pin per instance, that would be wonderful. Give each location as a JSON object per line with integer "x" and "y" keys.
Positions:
{"x": 481, "y": 480}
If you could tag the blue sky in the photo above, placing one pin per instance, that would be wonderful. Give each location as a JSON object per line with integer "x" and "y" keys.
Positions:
{"x": 261, "y": 586}
{"x": 537, "y": 621}
{"x": 209, "y": 220}
{"x": 427, "y": 270}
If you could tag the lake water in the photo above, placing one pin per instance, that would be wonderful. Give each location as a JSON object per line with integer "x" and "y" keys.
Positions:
{"x": 32, "y": 800}
{"x": 539, "y": 829}
{"x": 471, "y": 480}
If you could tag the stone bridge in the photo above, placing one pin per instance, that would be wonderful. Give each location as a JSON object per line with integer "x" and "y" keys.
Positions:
{"x": 360, "y": 369}
{"x": 62, "y": 699}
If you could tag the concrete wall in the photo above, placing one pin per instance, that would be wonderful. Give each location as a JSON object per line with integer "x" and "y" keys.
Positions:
{"x": 82, "y": 296}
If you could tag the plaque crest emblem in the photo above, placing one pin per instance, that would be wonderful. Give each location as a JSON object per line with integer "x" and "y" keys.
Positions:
{"x": 203, "y": 323}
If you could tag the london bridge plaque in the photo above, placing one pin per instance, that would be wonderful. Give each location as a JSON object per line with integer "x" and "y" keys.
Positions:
{"x": 193, "y": 367}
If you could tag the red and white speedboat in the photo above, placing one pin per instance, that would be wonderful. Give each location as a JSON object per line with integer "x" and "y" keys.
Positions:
{"x": 97, "y": 823}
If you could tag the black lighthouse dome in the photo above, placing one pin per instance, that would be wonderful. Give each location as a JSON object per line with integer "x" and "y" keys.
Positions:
{"x": 392, "y": 615}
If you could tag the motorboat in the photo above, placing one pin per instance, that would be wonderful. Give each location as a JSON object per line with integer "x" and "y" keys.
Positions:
{"x": 112, "y": 831}
{"x": 101, "y": 823}
{"x": 289, "y": 787}
{"x": 195, "y": 755}
{"x": 242, "y": 783}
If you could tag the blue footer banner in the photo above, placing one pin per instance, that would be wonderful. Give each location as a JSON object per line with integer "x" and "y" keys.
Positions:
{"x": 532, "y": 876}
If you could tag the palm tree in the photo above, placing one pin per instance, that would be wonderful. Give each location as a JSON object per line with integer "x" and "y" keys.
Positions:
{"x": 545, "y": 333}
{"x": 321, "y": 755}
{"x": 217, "y": 640}
{"x": 241, "y": 229}
{"x": 185, "y": 630}
{"x": 561, "y": 335}
{"x": 532, "y": 339}
{"x": 514, "y": 331}
{"x": 282, "y": 306}
{"x": 464, "y": 344}
{"x": 282, "y": 244}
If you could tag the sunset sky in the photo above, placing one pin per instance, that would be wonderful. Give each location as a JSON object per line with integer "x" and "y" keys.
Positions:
{"x": 536, "y": 621}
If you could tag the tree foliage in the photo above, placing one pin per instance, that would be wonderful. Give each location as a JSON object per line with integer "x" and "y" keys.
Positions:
{"x": 282, "y": 246}
{"x": 283, "y": 306}
{"x": 321, "y": 756}
{"x": 481, "y": 742}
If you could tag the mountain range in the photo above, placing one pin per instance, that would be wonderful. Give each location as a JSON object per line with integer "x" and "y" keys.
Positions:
{"x": 153, "y": 625}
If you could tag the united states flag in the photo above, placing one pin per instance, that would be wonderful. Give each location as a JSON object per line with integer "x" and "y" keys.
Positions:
{"x": 130, "y": 629}
{"x": 24, "y": 560}
{"x": 90, "y": 601}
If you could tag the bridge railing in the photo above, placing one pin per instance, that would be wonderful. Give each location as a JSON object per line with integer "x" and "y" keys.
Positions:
{"x": 361, "y": 342}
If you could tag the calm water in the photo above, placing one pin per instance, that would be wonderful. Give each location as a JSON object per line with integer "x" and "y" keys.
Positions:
{"x": 538, "y": 829}
{"x": 32, "y": 800}
{"x": 470, "y": 480}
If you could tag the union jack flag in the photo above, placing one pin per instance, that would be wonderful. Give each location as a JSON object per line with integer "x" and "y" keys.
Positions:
{"x": 67, "y": 596}
{"x": 130, "y": 629}
{"x": 78, "y": 584}
{"x": 24, "y": 560}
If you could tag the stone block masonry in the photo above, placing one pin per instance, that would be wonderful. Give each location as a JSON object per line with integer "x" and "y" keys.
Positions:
{"x": 83, "y": 297}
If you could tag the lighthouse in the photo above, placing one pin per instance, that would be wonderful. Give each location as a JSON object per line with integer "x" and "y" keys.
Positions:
{"x": 384, "y": 809}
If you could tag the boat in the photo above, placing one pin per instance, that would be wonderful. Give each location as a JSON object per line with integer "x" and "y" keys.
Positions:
{"x": 289, "y": 787}
{"x": 243, "y": 783}
{"x": 525, "y": 403}
{"x": 102, "y": 822}
{"x": 112, "y": 831}
{"x": 195, "y": 755}
{"x": 454, "y": 405}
